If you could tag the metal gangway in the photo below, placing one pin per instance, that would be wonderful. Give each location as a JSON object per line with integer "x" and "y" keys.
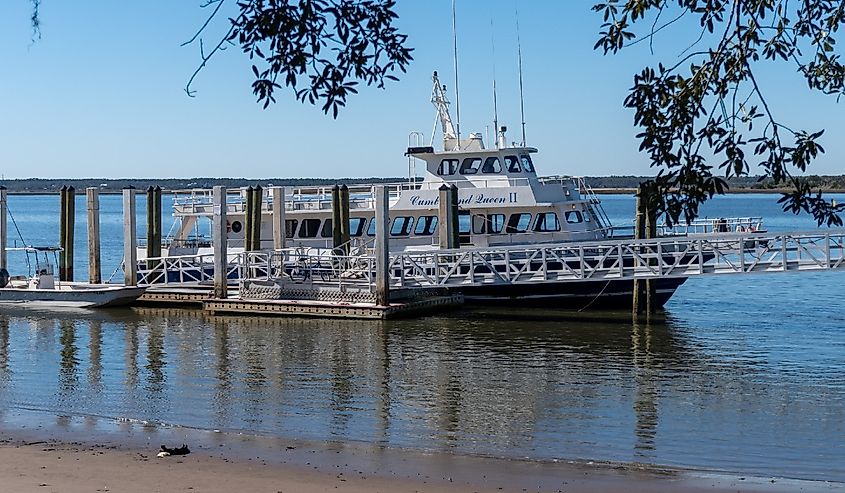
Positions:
{"x": 623, "y": 260}
{"x": 671, "y": 257}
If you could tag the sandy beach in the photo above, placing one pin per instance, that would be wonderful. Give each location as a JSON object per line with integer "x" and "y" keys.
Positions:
{"x": 71, "y": 457}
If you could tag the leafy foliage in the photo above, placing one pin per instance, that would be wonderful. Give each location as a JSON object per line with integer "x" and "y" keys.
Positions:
{"x": 708, "y": 109}
{"x": 321, "y": 49}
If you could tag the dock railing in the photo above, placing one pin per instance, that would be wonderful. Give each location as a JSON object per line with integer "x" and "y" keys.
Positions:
{"x": 667, "y": 257}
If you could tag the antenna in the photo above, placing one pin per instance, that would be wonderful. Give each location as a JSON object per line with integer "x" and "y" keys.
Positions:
{"x": 495, "y": 99}
{"x": 457, "y": 91}
{"x": 521, "y": 95}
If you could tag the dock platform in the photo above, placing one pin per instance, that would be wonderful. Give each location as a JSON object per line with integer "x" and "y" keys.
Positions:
{"x": 333, "y": 309}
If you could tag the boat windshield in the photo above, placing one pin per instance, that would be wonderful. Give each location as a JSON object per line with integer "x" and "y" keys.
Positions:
{"x": 527, "y": 165}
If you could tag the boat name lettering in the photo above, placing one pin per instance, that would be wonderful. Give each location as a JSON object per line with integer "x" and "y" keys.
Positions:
{"x": 417, "y": 200}
{"x": 482, "y": 200}
{"x": 471, "y": 199}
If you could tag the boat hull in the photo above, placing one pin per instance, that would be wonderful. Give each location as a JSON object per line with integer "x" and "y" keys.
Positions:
{"x": 70, "y": 296}
{"x": 583, "y": 295}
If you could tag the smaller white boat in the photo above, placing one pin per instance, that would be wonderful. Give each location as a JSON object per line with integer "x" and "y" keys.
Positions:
{"x": 41, "y": 290}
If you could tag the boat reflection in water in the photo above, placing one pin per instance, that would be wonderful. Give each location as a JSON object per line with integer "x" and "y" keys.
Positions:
{"x": 494, "y": 383}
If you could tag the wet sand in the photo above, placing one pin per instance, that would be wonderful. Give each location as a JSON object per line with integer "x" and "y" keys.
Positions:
{"x": 78, "y": 457}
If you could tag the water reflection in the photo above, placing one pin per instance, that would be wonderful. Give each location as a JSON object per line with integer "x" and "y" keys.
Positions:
{"x": 223, "y": 384}
{"x": 5, "y": 374}
{"x": 646, "y": 390}
{"x": 538, "y": 384}
{"x": 155, "y": 358}
{"x": 95, "y": 343}
{"x": 69, "y": 360}
{"x": 131, "y": 354}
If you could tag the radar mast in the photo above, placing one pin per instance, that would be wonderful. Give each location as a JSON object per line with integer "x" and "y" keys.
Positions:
{"x": 439, "y": 100}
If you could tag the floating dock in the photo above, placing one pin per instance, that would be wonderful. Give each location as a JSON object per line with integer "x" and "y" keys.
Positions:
{"x": 333, "y": 309}
{"x": 313, "y": 302}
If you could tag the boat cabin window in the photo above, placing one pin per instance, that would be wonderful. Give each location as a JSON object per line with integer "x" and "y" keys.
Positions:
{"x": 426, "y": 226}
{"x": 527, "y": 165}
{"x": 490, "y": 224}
{"x": 491, "y": 165}
{"x": 512, "y": 164}
{"x": 356, "y": 226}
{"x": 290, "y": 227}
{"x": 371, "y": 230}
{"x": 464, "y": 222}
{"x": 518, "y": 223}
{"x": 402, "y": 226}
{"x": 470, "y": 165}
{"x": 309, "y": 228}
{"x": 546, "y": 222}
{"x": 447, "y": 167}
{"x": 574, "y": 217}
{"x": 326, "y": 232}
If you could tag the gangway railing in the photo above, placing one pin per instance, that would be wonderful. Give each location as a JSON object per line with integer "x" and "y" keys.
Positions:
{"x": 184, "y": 269}
{"x": 620, "y": 260}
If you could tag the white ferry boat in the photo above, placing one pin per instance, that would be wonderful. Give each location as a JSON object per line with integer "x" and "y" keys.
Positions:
{"x": 502, "y": 201}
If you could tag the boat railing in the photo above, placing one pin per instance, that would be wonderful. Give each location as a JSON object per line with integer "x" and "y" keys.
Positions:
{"x": 713, "y": 225}
{"x": 200, "y": 201}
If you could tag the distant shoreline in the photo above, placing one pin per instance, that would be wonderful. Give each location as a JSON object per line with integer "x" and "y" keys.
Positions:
{"x": 600, "y": 184}
{"x": 737, "y": 191}
{"x": 598, "y": 191}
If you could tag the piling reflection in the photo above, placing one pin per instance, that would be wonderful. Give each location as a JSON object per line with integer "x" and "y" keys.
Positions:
{"x": 69, "y": 361}
{"x": 155, "y": 358}
{"x": 5, "y": 374}
{"x": 95, "y": 343}
{"x": 645, "y": 389}
{"x": 221, "y": 400}
{"x": 130, "y": 362}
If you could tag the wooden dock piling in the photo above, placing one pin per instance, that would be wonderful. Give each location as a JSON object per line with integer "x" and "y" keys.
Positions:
{"x": 257, "y": 203}
{"x": 382, "y": 247}
{"x": 3, "y": 231}
{"x": 153, "y": 224}
{"x": 443, "y": 216}
{"x": 336, "y": 221}
{"x": 645, "y": 227}
{"x": 249, "y": 218}
{"x": 252, "y": 235}
{"x": 130, "y": 241}
{"x": 219, "y": 238}
{"x": 279, "y": 233}
{"x": 345, "y": 233}
{"x": 454, "y": 223}
{"x": 67, "y": 225}
{"x": 95, "y": 275}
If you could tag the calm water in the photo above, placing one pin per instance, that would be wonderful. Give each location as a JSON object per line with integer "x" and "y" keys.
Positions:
{"x": 746, "y": 374}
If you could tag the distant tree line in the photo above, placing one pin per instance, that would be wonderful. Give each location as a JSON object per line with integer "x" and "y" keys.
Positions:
{"x": 827, "y": 183}
{"x": 106, "y": 185}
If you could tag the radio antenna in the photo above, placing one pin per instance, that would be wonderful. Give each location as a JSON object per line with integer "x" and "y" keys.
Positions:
{"x": 521, "y": 94}
{"x": 457, "y": 91}
{"x": 495, "y": 97}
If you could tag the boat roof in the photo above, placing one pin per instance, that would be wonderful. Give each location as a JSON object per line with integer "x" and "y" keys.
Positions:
{"x": 428, "y": 151}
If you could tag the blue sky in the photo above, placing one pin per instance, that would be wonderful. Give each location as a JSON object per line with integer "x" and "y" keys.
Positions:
{"x": 101, "y": 95}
